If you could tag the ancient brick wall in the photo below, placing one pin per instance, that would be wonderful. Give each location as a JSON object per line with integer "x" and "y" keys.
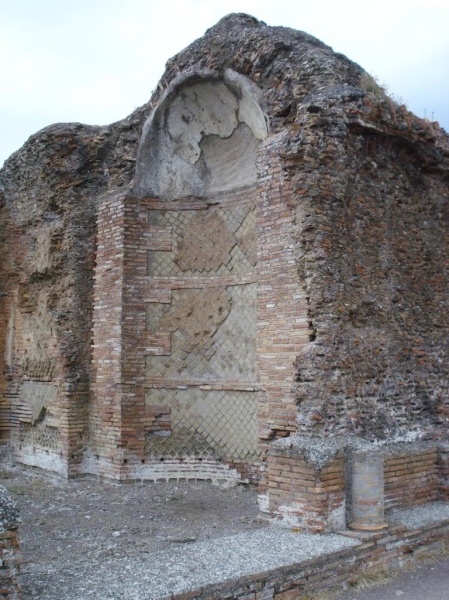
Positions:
{"x": 343, "y": 201}
{"x": 411, "y": 478}
{"x": 303, "y": 495}
{"x": 194, "y": 344}
{"x": 372, "y": 236}
{"x": 199, "y": 323}
{"x": 369, "y": 207}
{"x": 143, "y": 317}
{"x": 6, "y": 331}
{"x": 50, "y": 233}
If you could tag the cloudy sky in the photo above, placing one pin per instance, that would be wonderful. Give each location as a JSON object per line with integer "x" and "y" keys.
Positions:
{"x": 95, "y": 61}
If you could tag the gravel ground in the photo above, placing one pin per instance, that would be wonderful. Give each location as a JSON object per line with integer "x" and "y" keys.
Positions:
{"x": 72, "y": 528}
{"x": 420, "y": 516}
{"x": 86, "y": 539}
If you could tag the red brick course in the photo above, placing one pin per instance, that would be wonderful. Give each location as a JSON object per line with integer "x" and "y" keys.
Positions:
{"x": 411, "y": 478}
{"x": 303, "y": 495}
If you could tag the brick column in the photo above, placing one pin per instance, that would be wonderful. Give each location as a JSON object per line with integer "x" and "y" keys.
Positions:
{"x": 106, "y": 402}
{"x": 119, "y": 418}
{"x": 367, "y": 491}
{"x": 282, "y": 326}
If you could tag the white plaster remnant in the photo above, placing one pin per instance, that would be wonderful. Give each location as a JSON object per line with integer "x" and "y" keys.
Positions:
{"x": 250, "y": 99}
{"x": 202, "y": 137}
{"x": 216, "y": 473}
{"x": 286, "y": 516}
{"x": 336, "y": 519}
{"x": 263, "y": 501}
{"x": 201, "y": 110}
{"x": 44, "y": 459}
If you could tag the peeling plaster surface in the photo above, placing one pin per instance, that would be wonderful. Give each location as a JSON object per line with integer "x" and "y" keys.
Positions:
{"x": 201, "y": 110}
{"x": 47, "y": 460}
{"x": 202, "y": 138}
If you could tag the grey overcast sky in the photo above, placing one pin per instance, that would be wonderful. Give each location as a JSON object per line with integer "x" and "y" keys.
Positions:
{"x": 95, "y": 61}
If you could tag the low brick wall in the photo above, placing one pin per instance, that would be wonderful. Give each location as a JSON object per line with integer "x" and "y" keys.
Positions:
{"x": 315, "y": 496}
{"x": 411, "y": 478}
{"x": 390, "y": 549}
{"x": 301, "y": 494}
{"x": 443, "y": 471}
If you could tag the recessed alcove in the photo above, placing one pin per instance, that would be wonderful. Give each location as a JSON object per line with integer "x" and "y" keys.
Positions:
{"x": 202, "y": 138}
{"x": 201, "y": 142}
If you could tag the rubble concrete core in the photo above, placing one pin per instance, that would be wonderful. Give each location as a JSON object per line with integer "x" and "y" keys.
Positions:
{"x": 255, "y": 257}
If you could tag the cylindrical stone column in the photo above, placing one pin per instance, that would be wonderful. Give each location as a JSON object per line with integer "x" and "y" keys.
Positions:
{"x": 367, "y": 491}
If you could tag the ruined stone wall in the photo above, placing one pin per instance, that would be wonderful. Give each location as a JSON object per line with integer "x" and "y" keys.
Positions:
{"x": 48, "y": 197}
{"x": 369, "y": 203}
{"x": 6, "y": 326}
{"x": 197, "y": 319}
{"x": 172, "y": 351}
{"x": 347, "y": 207}
{"x": 372, "y": 216}
{"x": 50, "y": 225}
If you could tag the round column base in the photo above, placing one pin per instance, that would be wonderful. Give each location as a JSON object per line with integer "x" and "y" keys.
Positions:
{"x": 362, "y": 527}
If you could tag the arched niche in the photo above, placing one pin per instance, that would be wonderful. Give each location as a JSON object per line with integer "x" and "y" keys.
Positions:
{"x": 199, "y": 143}
{"x": 202, "y": 137}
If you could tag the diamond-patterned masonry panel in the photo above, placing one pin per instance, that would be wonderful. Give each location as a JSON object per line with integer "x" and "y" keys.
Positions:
{"x": 204, "y": 245}
{"x": 213, "y": 334}
{"x": 205, "y": 424}
{"x": 39, "y": 435}
{"x": 217, "y": 241}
